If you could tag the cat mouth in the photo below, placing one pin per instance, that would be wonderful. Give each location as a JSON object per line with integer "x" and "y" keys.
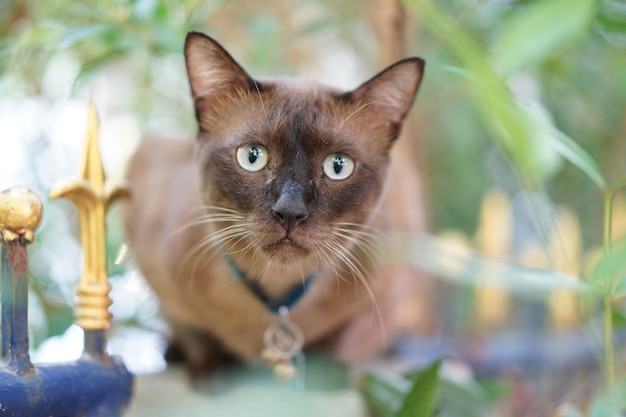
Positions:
{"x": 286, "y": 249}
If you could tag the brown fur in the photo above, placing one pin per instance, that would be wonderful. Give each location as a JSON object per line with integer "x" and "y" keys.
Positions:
{"x": 186, "y": 193}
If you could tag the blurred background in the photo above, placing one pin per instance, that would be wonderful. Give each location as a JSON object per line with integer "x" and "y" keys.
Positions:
{"x": 521, "y": 135}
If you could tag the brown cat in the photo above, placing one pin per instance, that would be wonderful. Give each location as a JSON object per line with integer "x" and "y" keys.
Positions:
{"x": 277, "y": 202}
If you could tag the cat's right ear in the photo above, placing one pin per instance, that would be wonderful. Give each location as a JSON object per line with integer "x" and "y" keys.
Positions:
{"x": 210, "y": 68}
{"x": 390, "y": 93}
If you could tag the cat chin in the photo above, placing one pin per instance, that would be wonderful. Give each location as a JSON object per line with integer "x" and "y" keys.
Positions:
{"x": 286, "y": 252}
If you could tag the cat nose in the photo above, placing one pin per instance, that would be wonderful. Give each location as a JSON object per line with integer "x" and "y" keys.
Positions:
{"x": 289, "y": 218}
{"x": 290, "y": 209}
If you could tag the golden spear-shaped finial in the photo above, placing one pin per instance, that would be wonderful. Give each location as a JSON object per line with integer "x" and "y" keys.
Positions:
{"x": 92, "y": 201}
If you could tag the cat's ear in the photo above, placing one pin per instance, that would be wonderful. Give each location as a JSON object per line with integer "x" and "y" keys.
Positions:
{"x": 210, "y": 68}
{"x": 391, "y": 92}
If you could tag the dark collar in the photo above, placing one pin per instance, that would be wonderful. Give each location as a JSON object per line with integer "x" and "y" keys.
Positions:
{"x": 288, "y": 300}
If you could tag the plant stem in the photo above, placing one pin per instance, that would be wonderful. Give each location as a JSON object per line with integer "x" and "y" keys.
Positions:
{"x": 609, "y": 353}
{"x": 607, "y": 235}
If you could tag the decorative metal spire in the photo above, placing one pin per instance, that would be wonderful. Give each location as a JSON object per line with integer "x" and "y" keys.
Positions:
{"x": 92, "y": 201}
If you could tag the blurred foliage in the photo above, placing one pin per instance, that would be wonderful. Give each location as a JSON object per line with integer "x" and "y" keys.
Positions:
{"x": 565, "y": 69}
{"x": 414, "y": 395}
{"x": 429, "y": 391}
{"x": 519, "y": 95}
{"x": 101, "y": 32}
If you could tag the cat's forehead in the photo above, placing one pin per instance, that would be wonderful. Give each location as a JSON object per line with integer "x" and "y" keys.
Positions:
{"x": 298, "y": 86}
{"x": 299, "y": 113}
{"x": 292, "y": 113}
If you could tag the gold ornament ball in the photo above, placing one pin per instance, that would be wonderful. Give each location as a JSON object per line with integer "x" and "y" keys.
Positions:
{"x": 20, "y": 213}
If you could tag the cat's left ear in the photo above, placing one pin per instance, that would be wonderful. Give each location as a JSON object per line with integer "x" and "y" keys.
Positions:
{"x": 210, "y": 67}
{"x": 391, "y": 92}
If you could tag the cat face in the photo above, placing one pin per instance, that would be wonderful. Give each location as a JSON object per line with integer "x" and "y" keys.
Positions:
{"x": 293, "y": 168}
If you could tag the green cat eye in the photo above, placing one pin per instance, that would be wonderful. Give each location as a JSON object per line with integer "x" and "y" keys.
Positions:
{"x": 338, "y": 166}
{"x": 252, "y": 157}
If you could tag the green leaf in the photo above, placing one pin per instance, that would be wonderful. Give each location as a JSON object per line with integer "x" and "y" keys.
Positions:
{"x": 544, "y": 127}
{"x": 619, "y": 290}
{"x": 532, "y": 34}
{"x": 579, "y": 157}
{"x": 75, "y": 35}
{"x": 502, "y": 115}
{"x": 533, "y": 134}
{"x": 467, "y": 398}
{"x": 611, "y": 270}
{"x": 82, "y": 33}
{"x": 496, "y": 389}
{"x": 384, "y": 392}
{"x": 44, "y": 34}
{"x": 420, "y": 401}
{"x": 464, "y": 265}
{"x": 619, "y": 318}
{"x": 547, "y": 137}
{"x": 619, "y": 184}
{"x": 611, "y": 22}
{"x": 90, "y": 68}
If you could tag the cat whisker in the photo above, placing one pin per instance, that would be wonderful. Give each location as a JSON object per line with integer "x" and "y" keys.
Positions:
{"x": 201, "y": 259}
{"x": 210, "y": 241}
{"x": 215, "y": 240}
{"x": 325, "y": 254}
{"x": 368, "y": 235}
{"x": 255, "y": 255}
{"x": 266, "y": 268}
{"x": 251, "y": 244}
{"x": 264, "y": 272}
{"x": 208, "y": 219}
{"x": 356, "y": 267}
{"x": 360, "y": 227}
{"x": 210, "y": 208}
{"x": 217, "y": 237}
{"x": 326, "y": 260}
{"x": 302, "y": 277}
{"x": 368, "y": 243}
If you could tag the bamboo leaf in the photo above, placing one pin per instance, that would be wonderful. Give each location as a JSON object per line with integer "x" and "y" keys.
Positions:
{"x": 579, "y": 157}
{"x": 549, "y": 140}
{"x": 537, "y": 32}
{"x": 529, "y": 141}
{"x": 619, "y": 184}
{"x": 44, "y": 34}
{"x": 466, "y": 398}
{"x": 619, "y": 319}
{"x": 619, "y": 290}
{"x": 559, "y": 142}
{"x": 76, "y": 35}
{"x": 463, "y": 265}
{"x": 420, "y": 401}
{"x": 501, "y": 113}
{"x": 611, "y": 22}
{"x": 611, "y": 269}
{"x": 384, "y": 392}
{"x": 91, "y": 67}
